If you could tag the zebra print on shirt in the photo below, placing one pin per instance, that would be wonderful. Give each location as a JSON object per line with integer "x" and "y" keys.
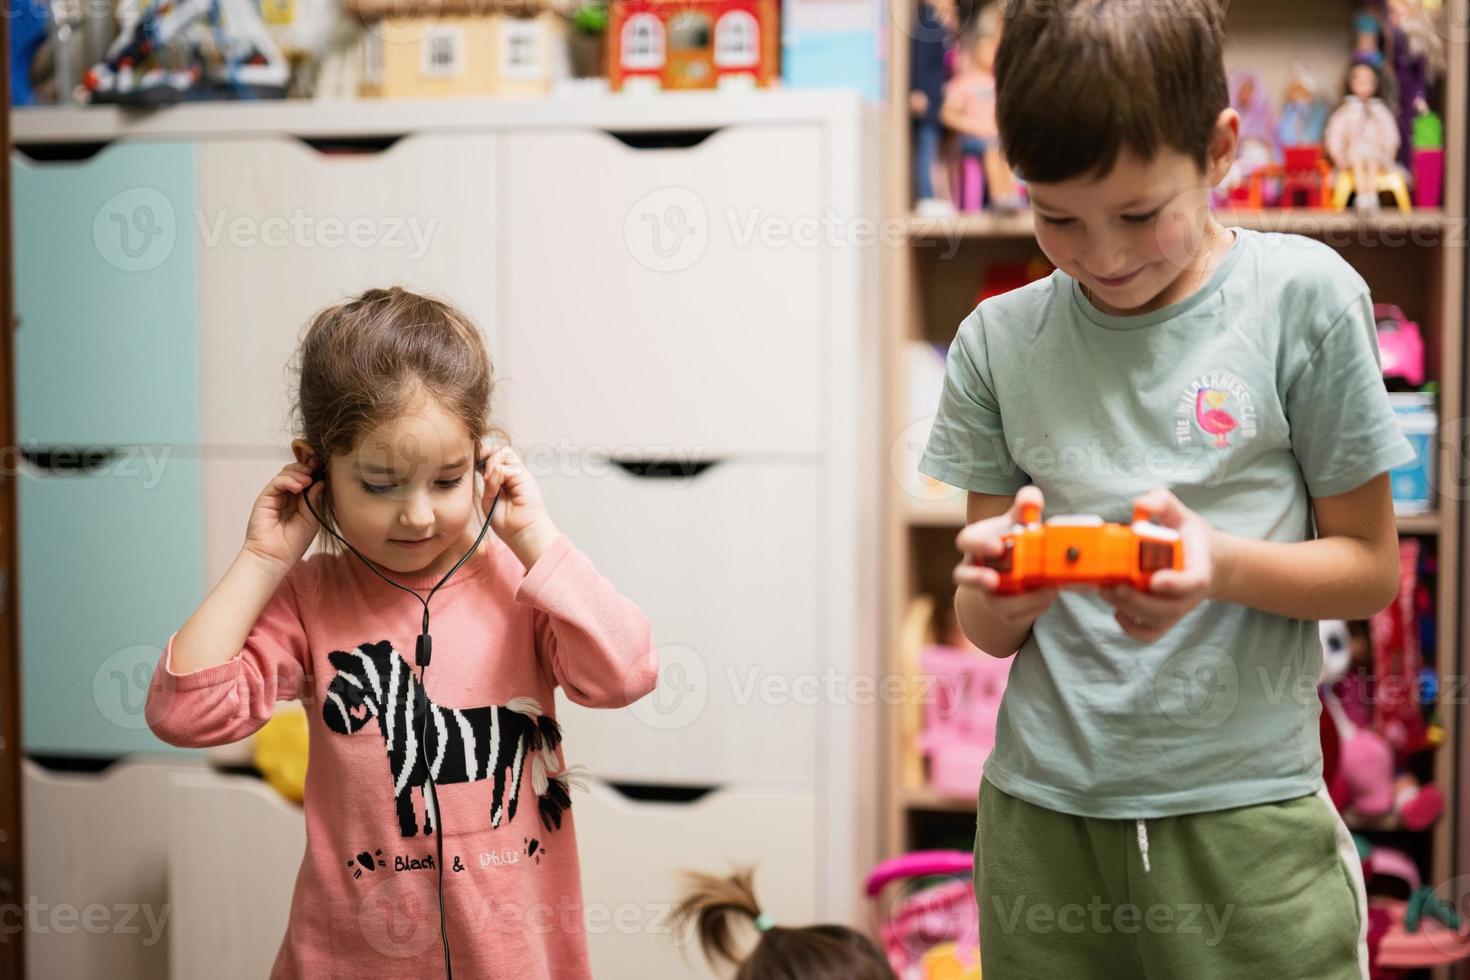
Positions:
{"x": 460, "y": 745}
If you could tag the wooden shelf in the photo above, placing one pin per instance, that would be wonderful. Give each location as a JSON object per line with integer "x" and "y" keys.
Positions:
{"x": 1387, "y": 823}
{"x": 1418, "y": 523}
{"x": 926, "y": 798}
{"x": 1312, "y": 222}
{"x": 950, "y": 512}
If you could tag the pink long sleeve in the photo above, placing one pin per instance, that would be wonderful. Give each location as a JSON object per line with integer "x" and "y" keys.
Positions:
{"x": 229, "y": 701}
{"x": 342, "y": 640}
{"x": 596, "y": 643}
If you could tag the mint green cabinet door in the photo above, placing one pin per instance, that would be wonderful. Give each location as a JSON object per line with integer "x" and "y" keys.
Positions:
{"x": 110, "y": 565}
{"x": 107, "y": 383}
{"x": 106, "y": 353}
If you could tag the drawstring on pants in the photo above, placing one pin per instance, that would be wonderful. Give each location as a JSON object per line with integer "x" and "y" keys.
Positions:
{"x": 1143, "y": 844}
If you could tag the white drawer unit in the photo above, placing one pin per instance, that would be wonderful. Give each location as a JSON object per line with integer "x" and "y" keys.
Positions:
{"x": 634, "y": 853}
{"x": 241, "y": 823}
{"x": 283, "y": 229}
{"x": 96, "y": 870}
{"x": 686, "y": 285}
{"x": 664, "y": 296}
{"x": 725, "y": 566}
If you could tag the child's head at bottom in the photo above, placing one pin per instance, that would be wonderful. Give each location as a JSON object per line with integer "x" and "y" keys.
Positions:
{"x": 717, "y": 907}
{"x": 392, "y": 405}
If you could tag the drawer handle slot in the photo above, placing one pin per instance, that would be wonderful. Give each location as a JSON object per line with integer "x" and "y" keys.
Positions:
{"x": 664, "y": 469}
{"x": 350, "y": 146}
{"x": 64, "y": 459}
{"x": 62, "y": 152}
{"x": 661, "y": 139}
{"x": 655, "y": 793}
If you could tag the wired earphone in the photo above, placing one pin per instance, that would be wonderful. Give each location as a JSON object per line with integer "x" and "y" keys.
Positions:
{"x": 421, "y": 659}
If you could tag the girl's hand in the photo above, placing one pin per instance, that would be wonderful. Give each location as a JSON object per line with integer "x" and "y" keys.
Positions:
{"x": 520, "y": 519}
{"x": 281, "y": 528}
{"x": 1147, "y": 616}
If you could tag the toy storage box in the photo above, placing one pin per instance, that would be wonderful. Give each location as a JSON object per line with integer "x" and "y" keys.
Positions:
{"x": 1413, "y": 483}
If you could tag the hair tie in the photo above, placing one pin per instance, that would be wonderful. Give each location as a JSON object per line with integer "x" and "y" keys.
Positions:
{"x": 763, "y": 922}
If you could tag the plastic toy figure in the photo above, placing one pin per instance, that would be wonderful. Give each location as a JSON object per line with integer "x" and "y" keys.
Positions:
{"x": 969, "y": 110}
{"x": 1418, "y": 61}
{"x": 934, "y": 34}
{"x": 244, "y": 62}
{"x": 1257, "y": 134}
{"x": 1368, "y": 34}
{"x": 1363, "y": 139}
{"x": 1304, "y": 114}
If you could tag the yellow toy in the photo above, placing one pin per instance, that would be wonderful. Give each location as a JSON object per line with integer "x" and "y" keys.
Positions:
{"x": 280, "y": 751}
{"x": 1344, "y": 186}
{"x": 943, "y": 963}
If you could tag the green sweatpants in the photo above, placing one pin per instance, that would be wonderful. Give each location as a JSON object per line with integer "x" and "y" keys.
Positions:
{"x": 1264, "y": 892}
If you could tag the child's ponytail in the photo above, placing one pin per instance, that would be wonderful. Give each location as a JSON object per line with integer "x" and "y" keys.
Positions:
{"x": 716, "y": 906}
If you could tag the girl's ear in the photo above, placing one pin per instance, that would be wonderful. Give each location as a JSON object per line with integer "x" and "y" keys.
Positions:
{"x": 306, "y": 456}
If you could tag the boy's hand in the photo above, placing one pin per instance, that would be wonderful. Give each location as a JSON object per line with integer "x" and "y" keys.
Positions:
{"x": 1147, "y": 616}
{"x": 983, "y": 540}
{"x": 520, "y": 519}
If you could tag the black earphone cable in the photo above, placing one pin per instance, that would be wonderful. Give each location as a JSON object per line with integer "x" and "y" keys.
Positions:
{"x": 421, "y": 659}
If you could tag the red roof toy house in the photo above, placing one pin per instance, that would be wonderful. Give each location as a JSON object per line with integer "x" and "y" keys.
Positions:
{"x": 692, "y": 44}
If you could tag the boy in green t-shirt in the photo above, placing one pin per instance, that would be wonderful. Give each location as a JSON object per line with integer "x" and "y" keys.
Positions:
{"x": 1154, "y": 803}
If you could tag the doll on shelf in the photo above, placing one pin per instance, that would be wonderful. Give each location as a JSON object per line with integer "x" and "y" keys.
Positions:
{"x": 1418, "y": 57}
{"x": 1304, "y": 112}
{"x": 969, "y": 110}
{"x": 934, "y": 35}
{"x": 1368, "y": 33}
{"x": 1363, "y": 136}
{"x": 1257, "y": 149}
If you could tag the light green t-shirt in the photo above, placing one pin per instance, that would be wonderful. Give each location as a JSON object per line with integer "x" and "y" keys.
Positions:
{"x": 1247, "y": 398}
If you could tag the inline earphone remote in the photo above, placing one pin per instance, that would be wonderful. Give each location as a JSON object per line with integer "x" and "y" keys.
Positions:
{"x": 421, "y": 659}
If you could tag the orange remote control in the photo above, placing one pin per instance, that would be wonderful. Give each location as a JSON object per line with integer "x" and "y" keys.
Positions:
{"x": 1076, "y": 550}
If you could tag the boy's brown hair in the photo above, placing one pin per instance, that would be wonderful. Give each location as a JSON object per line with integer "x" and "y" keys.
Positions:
{"x": 1077, "y": 80}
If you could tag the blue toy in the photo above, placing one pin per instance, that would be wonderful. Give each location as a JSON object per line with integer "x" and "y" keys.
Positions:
{"x": 27, "y": 33}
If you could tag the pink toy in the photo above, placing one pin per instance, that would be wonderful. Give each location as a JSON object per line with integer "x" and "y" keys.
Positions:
{"x": 1428, "y": 177}
{"x": 969, "y": 110}
{"x": 1400, "y": 344}
{"x": 1365, "y": 779}
{"x": 1432, "y": 942}
{"x": 960, "y": 715}
{"x": 941, "y": 913}
{"x": 1394, "y": 863}
{"x": 1397, "y": 713}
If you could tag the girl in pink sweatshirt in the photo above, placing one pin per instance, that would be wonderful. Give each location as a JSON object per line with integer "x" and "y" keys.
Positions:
{"x": 393, "y": 392}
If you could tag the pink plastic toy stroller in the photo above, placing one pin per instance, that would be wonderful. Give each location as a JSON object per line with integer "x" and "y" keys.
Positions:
{"x": 931, "y": 932}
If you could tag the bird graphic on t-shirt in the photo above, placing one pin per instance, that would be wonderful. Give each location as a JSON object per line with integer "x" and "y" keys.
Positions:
{"x": 1211, "y": 417}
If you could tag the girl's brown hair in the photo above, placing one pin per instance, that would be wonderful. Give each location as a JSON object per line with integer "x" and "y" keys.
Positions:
{"x": 714, "y": 905}
{"x": 1078, "y": 80}
{"x": 380, "y": 356}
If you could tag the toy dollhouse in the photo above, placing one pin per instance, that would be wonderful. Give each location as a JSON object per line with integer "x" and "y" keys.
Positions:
{"x": 692, "y": 44}
{"x": 497, "y": 54}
